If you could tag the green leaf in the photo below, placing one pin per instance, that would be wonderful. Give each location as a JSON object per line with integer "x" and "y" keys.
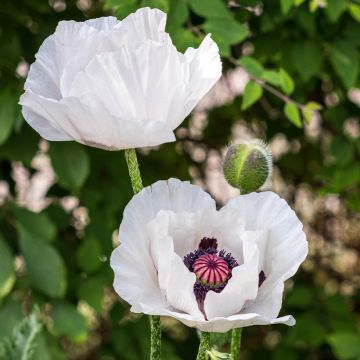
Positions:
{"x": 88, "y": 255}
{"x": 38, "y": 225}
{"x": 252, "y": 66}
{"x": 312, "y": 105}
{"x": 7, "y": 114}
{"x": 252, "y": 94}
{"x": 23, "y": 342}
{"x": 341, "y": 150}
{"x": 293, "y": 114}
{"x": 354, "y": 201}
{"x": 43, "y": 264}
{"x": 22, "y": 146}
{"x": 67, "y": 321}
{"x": 345, "y": 177}
{"x": 226, "y": 31}
{"x": 309, "y": 109}
{"x": 298, "y": 2}
{"x": 91, "y": 291}
{"x": 309, "y": 330}
{"x": 307, "y": 115}
{"x": 7, "y": 274}
{"x": 71, "y": 164}
{"x": 345, "y": 60}
{"x": 184, "y": 38}
{"x": 354, "y": 10}
{"x": 158, "y": 4}
{"x": 286, "y": 82}
{"x": 335, "y": 8}
{"x": 300, "y": 297}
{"x": 178, "y": 14}
{"x": 307, "y": 59}
{"x": 10, "y": 315}
{"x": 346, "y": 345}
{"x": 122, "y": 8}
{"x": 210, "y": 9}
{"x": 286, "y": 5}
{"x": 271, "y": 76}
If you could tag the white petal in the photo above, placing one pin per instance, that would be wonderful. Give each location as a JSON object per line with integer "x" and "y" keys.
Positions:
{"x": 46, "y": 129}
{"x": 144, "y": 24}
{"x": 105, "y": 23}
{"x": 76, "y": 44}
{"x": 269, "y": 300}
{"x": 243, "y": 286}
{"x": 203, "y": 71}
{"x": 205, "y": 66}
{"x": 43, "y": 77}
{"x": 286, "y": 246}
{"x": 87, "y": 121}
{"x": 224, "y": 324}
{"x": 136, "y": 83}
{"x": 136, "y": 278}
{"x": 188, "y": 228}
{"x": 175, "y": 280}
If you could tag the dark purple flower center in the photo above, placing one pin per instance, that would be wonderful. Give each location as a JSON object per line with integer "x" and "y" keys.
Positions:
{"x": 212, "y": 269}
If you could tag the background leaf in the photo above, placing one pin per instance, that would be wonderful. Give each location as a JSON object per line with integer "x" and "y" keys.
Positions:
{"x": 293, "y": 114}
{"x": 345, "y": 60}
{"x": 44, "y": 264}
{"x": 68, "y": 321}
{"x": 252, "y": 94}
{"x": 71, "y": 163}
{"x": 7, "y": 274}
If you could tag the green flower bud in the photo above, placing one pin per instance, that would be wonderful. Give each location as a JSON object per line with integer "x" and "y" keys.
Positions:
{"x": 216, "y": 355}
{"x": 248, "y": 165}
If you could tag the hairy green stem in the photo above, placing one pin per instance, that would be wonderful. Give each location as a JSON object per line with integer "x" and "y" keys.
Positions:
{"x": 155, "y": 325}
{"x": 134, "y": 171}
{"x": 204, "y": 345}
{"x": 136, "y": 183}
{"x": 235, "y": 343}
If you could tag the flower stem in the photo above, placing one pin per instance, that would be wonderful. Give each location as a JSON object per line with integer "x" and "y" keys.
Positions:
{"x": 155, "y": 351}
{"x": 134, "y": 171}
{"x": 136, "y": 183}
{"x": 235, "y": 343}
{"x": 204, "y": 346}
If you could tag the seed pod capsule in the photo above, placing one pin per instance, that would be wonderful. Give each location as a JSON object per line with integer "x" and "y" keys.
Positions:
{"x": 248, "y": 165}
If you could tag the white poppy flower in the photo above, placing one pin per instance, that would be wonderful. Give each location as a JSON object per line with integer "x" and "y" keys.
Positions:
{"x": 116, "y": 84}
{"x": 213, "y": 270}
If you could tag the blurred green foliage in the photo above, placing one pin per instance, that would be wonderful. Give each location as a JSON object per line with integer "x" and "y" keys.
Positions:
{"x": 302, "y": 56}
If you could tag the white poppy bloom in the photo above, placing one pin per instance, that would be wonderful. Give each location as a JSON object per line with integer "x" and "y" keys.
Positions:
{"x": 116, "y": 84}
{"x": 213, "y": 270}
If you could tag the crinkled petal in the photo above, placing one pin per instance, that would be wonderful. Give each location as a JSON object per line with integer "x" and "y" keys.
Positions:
{"x": 47, "y": 129}
{"x": 136, "y": 277}
{"x": 87, "y": 121}
{"x": 242, "y": 286}
{"x": 105, "y": 23}
{"x": 203, "y": 70}
{"x": 224, "y": 324}
{"x": 172, "y": 273}
{"x": 135, "y": 83}
{"x": 145, "y": 24}
{"x": 44, "y": 74}
{"x": 285, "y": 249}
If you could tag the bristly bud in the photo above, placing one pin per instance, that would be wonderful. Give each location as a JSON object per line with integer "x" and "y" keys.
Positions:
{"x": 248, "y": 165}
{"x": 216, "y": 355}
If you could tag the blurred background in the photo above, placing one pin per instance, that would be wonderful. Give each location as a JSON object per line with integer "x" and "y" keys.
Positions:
{"x": 290, "y": 77}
